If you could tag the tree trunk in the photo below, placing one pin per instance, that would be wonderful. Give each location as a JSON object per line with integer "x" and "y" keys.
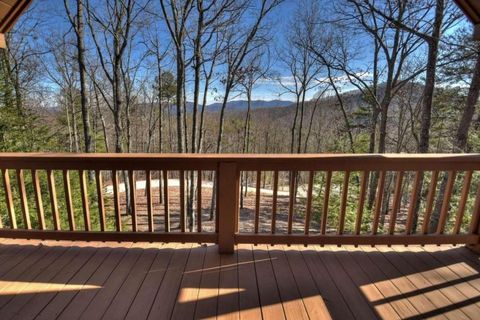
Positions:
{"x": 460, "y": 142}
{"x": 82, "y": 72}
{"x": 431, "y": 69}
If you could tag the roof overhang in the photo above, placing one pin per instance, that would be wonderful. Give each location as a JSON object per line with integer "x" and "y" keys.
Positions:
{"x": 10, "y": 10}
{"x": 471, "y": 8}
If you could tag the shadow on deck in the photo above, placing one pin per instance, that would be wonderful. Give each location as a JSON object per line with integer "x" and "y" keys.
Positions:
{"x": 71, "y": 280}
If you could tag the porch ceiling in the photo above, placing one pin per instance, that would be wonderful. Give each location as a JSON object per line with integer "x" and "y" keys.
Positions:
{"x": 10, "y": 10}
{"x": 471, "y": 8}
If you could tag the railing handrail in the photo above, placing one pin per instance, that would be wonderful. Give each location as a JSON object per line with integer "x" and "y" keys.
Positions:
{"x": 210, "y": 161}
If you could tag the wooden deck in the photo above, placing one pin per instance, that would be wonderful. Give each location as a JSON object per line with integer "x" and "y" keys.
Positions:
{"x": 80, "y": 280}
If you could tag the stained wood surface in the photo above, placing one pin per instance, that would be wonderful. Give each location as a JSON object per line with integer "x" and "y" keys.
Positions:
{"x": 395, "y": 220}
{"x": 95, "y": 280}
{"x": 247, "y": 162}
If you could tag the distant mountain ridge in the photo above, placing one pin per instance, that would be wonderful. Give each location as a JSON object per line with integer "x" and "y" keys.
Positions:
{"x": 241, "y": 105}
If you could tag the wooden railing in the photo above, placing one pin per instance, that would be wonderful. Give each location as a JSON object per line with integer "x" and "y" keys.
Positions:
{"x": 327, "y": 199}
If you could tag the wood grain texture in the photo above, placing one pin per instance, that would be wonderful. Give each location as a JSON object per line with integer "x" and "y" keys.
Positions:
{"x": 38, "y": 199}
{"x": 9, "y": 198}
{"x": 23, "y": 199}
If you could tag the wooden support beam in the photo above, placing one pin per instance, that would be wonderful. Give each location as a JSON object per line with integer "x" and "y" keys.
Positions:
{"x": 3, "y": 43}
{"x": 228, "y": 180}
{"x": 476, "y": 32}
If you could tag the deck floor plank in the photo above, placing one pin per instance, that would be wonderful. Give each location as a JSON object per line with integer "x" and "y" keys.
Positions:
{"x": 187, "y": 297}
{"x": 270, "y": 301}
{"x": 166, "y": 297}
{"x": 83, "y": 298}
{"x": 422, "y": 284}
{"x": 206, "y": 307}
{"x": 30, "y": 270}
{"x": 403, "y": 307}
{"x": 17, "y": 262}
{"x": 360, "y": 277}
{"x": 311, "y": 296}
{"x": 466, "y": 277}
{"x": 289, "y": 293}
{"x": 140, "y": 307}
{"x": 124, "y": 297}
{"x": 228, "y": 307}
{"x": 356, "y": 300}
{"x": 62, "y": 299}
{"x": 39, "y": 300}
{"x": 442, "y": 277}
{"x": 334, "y": 300}
{"x": 248, "y": 299}
{"x": 406, "y": 288}
{"x": 94, "y": 280}
{"x": 101, "y": 301}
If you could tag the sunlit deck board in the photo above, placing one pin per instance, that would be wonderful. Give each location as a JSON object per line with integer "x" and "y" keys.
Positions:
{"x": 389, "y": 270}
{"x": 206, "y": 305}
{"x": 83, "y": 297}
{"x": 248, "y": 299}
{"x": 74, "y": 280}
{"x": 421, "y": 284}
{"x": 438, "y": 275}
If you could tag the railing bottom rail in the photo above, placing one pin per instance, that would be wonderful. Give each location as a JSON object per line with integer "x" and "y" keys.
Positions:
{"x": 356, "y": 240}
{"x": 110, "y": 236}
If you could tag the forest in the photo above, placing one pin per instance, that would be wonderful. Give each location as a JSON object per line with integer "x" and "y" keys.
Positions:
{"x": 243, "y": 76}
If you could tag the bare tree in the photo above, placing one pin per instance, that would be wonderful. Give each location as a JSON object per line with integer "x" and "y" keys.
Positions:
{"x": 238, "y": 45}
{"x": 256, "y": 68}
{"x": 77, "y": 23}
{"x": 176, "y": 14}
{"x": 117, "y": 25}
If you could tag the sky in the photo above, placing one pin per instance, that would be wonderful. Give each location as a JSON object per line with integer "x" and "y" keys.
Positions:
{"x": 53, "y": 23}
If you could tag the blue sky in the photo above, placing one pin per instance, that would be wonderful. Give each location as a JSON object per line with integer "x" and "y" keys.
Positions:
{"x": 54, "y": 23}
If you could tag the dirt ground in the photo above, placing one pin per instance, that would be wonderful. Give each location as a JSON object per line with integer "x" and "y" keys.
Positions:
{"x": 247, "y": 213}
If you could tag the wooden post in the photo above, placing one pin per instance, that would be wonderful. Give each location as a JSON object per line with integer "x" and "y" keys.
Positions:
{"x": 228, "y": 181}
{"x": 475, "y": 223}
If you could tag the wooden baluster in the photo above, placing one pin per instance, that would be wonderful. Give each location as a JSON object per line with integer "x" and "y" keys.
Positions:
{"x": 361, "y": 202}
{"x": 257, "y": 200}
{"x": 23, "y": 199}
{"x": 116, "y": 201}
{"x": 446, "y": 202}
{"x": 53, "y": 200}
{"x": 199, "y": 201}
{"x": 475, "y": 222}
{"x": 326, "y": 199}
{"x": 148, "y": 177}
{"x": 467, "y": 180}
{"x": 378, "y": 202}
{"x": 182, "y": 202}
{"x": 308, "y": 211}
{"x": 133, "y": 199}
{"x": 68, "y": 199}
{"x": 9, "y": 199}
{"x": 274, "y": 202}
{"x": 85, "y": 204}
{"x": 397, "y": 197}
{"x": 166, "y": 200}
{"x": 38, "y": 199}
{"x": 291, "y": 204}
{"x": 430, "y": 199}
{"x": 343, "y": 204}
{"x": 413, "y": 201}
{"x": 101, "y": 202}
